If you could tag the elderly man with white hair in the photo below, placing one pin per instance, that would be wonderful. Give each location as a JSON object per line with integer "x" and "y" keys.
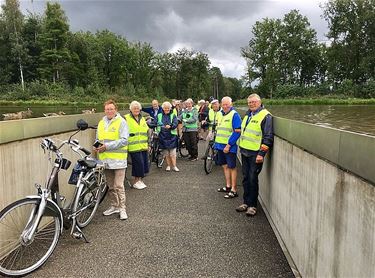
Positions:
{"x": 255, "y": 141}
{"x": 138, "y": 144}
{"x": 189, "y": 118}
{"x": 228, "y": 132}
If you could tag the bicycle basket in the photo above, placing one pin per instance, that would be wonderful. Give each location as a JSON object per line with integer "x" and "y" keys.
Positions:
{"x": 75, "y": 174}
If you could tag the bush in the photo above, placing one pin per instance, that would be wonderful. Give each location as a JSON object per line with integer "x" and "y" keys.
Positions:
{"x": 288, "y": 91}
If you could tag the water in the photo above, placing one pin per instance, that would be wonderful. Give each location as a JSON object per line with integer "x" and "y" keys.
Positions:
{"x": 356, "y": 118}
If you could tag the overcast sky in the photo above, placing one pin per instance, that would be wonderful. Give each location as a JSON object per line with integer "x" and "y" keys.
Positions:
{"x": 219, "y": 28}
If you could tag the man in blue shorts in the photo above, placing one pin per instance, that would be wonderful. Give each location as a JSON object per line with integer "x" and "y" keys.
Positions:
{"x": 228, "y": 132}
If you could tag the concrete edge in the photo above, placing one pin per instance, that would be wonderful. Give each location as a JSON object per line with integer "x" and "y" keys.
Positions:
{"x": 287, "y": 255}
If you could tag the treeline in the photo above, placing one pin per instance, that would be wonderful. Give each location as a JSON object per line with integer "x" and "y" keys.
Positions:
{"x": 286, "y": 60}
{"x": 40, "y": 58}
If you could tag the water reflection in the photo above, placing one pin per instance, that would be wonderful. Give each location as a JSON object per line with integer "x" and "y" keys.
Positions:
{"x": 356, "y": 118}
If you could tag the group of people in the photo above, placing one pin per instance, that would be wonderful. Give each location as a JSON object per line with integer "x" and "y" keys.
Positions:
{"x": 119, "y": 135}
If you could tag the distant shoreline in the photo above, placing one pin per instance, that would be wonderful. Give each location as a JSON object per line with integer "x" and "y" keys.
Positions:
{"x": 292, "y": 101}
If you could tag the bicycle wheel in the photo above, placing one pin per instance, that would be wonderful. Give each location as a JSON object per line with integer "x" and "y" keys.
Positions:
{"x": 209, "y": 159}
{"x": 19, "y": 256}
{"x": 182, "y": 148}
{"x": 89, "y": 199}
{"x": 159, "y": 159}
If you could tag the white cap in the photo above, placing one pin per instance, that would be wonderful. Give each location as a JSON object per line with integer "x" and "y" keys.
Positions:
{"x": 214, "y": 100}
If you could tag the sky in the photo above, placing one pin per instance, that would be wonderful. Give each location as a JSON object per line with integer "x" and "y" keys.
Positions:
{"x": 218, "y": 28}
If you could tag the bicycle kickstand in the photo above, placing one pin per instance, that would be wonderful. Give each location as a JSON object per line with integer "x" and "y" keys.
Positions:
{"x": 79, "y": 234}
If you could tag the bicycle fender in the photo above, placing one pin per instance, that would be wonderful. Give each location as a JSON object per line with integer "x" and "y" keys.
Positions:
{"x": 51, "y": 208}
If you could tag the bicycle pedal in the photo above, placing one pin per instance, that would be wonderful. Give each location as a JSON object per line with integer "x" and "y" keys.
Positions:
{"x": 77, "y": 235}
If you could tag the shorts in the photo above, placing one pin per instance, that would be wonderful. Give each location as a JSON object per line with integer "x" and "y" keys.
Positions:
{"x": 169, "y": 152}
{"x": 229, "y": 159}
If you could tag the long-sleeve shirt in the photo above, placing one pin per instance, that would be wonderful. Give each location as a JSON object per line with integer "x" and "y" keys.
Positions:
{"x": 153, "y": 112}
{"x": 267, "y": 134}
{"x": 116, "y": 144}
{"x": 236, "y": 124}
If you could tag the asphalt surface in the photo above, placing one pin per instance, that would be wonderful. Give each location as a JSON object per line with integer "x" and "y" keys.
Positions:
{"x": 179, "y": 226}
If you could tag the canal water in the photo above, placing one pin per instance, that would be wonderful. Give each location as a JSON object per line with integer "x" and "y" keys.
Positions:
{"x": 356, "y": 118}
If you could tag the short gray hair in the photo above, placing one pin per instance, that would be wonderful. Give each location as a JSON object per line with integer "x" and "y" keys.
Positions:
{"x": 165, "y": 104}
{"x": 254, "y": 96}
{"x": 189, "y": 100}
{"x": 134, "y": 104}
{"x": 227, "y": 98}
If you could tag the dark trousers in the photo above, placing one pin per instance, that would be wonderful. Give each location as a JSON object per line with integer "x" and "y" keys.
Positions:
{"x": 250, "y": 182}
{"x": 191, "y": 142}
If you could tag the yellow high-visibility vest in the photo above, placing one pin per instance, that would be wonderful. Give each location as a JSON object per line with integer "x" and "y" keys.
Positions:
{"x": 225, "y": 129}
{"x": 251, "y": 134}
{"x": 214, "y": 117}
{"x": 111, "y": 133}
{"x": 138, "y": 138}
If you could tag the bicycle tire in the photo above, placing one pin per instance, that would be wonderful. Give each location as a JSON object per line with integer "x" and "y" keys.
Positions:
{"x": 209, "y": 159}
{"x": 21, "y": 258}
{"x": 90, "y": 197}
{"x": 182, "y": 148}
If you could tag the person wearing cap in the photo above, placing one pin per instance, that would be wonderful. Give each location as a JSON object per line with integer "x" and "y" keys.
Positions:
{"x": 255, "y": 141}
{"x": 228, "y": 132}
{"x": 189, "y": 118}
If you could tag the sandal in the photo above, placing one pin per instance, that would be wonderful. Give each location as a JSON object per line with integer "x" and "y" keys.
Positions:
{"x": 231, "y": 195}
{"x": 242, "y": 208}
{"x": 224, "y": 189}
{"x": 251, "y": 211}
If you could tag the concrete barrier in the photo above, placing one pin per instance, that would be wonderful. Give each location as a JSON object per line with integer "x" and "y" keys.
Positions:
{"x": 324, "y": 215}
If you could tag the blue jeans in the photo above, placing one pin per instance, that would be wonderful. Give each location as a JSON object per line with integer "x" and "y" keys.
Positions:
{"x": 250, "y": 181}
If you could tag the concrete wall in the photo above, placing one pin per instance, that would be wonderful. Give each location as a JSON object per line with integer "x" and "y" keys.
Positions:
{"x": 324, "y": 215}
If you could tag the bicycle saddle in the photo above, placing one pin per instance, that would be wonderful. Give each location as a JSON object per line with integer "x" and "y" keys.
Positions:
{"x": 87, "y": 163}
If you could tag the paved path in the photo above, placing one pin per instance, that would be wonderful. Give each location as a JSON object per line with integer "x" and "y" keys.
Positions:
{"x": 178, "y": 227}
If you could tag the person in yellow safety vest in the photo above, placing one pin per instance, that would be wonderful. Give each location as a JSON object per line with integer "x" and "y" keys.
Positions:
{"x": 112, "y": 148}
{"x": 256, "y": 139}
{"x": 138, "y": 144}
{"x": 228, "y": 132}
{"x": 189, "y": 119}
{"x": 214, "y": 117}
{"x": 168, "y": 140}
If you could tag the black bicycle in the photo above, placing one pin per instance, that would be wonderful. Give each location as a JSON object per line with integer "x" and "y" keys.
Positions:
{"x": 155, "y": 154}
{"x": 181, "y": 147}
{"x": 210, "y": 155}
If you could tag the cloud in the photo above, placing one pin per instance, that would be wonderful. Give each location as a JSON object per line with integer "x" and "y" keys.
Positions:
{"x": 219, "y": 28}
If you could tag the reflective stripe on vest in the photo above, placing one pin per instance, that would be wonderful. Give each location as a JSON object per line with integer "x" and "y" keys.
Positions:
{"x": 251, "y": 134}
{"x": 138, "y": 141}
{"x": 111, "y": 133}
{"x": 185, "y": 116}
{"x": 214, "y": 117}
{"x": 225, "y": 128}
{"x": 160, "y": 115}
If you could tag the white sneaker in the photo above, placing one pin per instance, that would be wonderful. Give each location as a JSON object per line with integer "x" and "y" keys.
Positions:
{"x": 110, "y": 211}
{"x": 176, "y": 169}
{"x": 143, "y": 185}
{"x": 168, "y": 168}
{"x": 123, "y": 215}
{"x": 139, "y": 185}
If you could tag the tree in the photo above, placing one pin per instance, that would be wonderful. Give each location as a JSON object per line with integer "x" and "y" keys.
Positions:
{"x": 352, "y": 33}
{"x": 12, "y": 32}
{"x": 54, "y": 42}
